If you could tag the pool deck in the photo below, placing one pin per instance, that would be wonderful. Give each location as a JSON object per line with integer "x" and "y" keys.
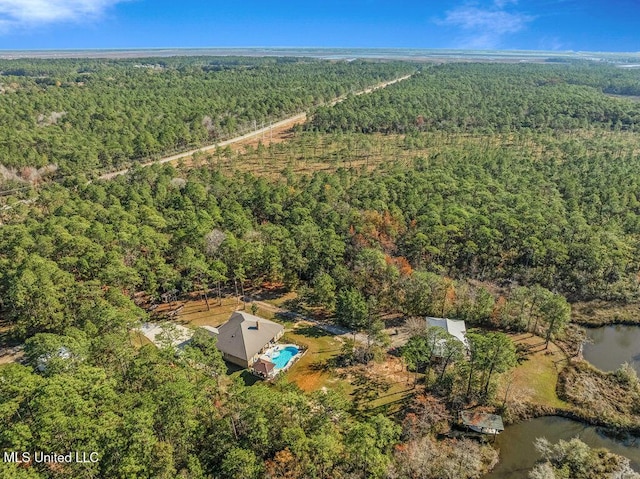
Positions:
{"x": 271, "y": 352}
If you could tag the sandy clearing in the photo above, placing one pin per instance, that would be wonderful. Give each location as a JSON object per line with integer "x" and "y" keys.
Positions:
{"x": 286, "y": 123}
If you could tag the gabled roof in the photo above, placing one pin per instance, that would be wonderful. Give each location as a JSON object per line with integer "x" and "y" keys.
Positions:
{"x": 455, "y": 327}
{"x": 244, "y": 335}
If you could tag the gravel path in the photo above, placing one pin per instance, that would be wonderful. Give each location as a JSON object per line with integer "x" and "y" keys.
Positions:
{"x": 330, "y": 328}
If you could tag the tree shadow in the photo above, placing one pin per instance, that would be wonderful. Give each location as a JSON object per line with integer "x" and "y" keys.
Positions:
{"x": 247, "y": 378}
{"x": 367, "y": 389}
{"x": 292, "y": 304}
{"x": 262, "y": 294}
{"x": 8, "y": 337}
{"x": 232, "y": 368}
{"x": 286, "y": 316}
{"x": 320, "y": 366}
{"x": 395, "y": 408}
{"x": 311, "y": 332}
{"x": 395, "y": 322}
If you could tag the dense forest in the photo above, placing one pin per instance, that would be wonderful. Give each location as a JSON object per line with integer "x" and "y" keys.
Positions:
{"x": 493, "y": 98}
{"x": 483, "y": 212}
{"x": 72, "y": 259}
{"x": 415, "y": 200}
{"x": 151, "y": 415}
{"x": 157, "y": 230}
{"x": 85, "y": 114}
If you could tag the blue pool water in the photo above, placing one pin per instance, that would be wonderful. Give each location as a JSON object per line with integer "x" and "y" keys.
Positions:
{"x": 284, "y": 356}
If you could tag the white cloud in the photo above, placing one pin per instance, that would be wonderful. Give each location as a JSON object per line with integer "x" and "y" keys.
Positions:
{"x": 552, "y": 43}
{"x": 503, "y": 3}
{"x": 485, "y": 27}
{"x": 21, "y": 13}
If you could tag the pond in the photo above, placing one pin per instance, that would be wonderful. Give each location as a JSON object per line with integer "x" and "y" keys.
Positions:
{"x": 611, "y": 346}
{"x": 518, "y": 456}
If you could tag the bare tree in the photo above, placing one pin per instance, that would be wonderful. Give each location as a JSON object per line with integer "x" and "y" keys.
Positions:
{"x": 415, "y": 326}
{"x": 213, "y": 240}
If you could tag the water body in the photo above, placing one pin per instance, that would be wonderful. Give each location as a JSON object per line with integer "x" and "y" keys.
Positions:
{"x": 626, "y": 59}
{"x": 611, "y": 346}
{"x": 284, "y": 356}
{"x": 518, "y": 456}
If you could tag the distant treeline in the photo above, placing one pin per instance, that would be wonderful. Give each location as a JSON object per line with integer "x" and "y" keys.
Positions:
{"x": 98, "y": 114}
{"x": 493, "y": 98}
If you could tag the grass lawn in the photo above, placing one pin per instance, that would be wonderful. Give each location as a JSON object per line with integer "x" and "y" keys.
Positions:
{"x": 392, "y": 400}
{"x": 280, "y": 301}
{"x": 311, "y": 372}
{"x": 195, "y": 312}
{"x": 383, "y": 387}
{"x": 534, "y": 380}
{"x": 375, "y": 388}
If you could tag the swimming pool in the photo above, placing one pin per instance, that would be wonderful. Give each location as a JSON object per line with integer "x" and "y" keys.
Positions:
{"x": 284, "y": 355}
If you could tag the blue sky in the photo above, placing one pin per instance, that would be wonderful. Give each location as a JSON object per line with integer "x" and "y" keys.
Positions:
{"x": 580, "y": 25}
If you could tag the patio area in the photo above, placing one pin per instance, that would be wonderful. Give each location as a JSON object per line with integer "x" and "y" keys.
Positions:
{"x": 276, "y": 359}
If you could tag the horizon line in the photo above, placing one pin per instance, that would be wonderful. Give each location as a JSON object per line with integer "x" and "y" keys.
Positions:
{"x": 309, "y": 47}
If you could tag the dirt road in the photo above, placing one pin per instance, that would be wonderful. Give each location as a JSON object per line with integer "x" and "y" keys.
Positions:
{"x": 330, "y": 328}
{"x": 371, "y": 89}
{"x": 267, "y": 130}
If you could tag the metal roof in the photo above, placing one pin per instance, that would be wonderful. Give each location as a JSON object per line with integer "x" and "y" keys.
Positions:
{"x": 455, "y": 327}
{"x": 482, "y": 420}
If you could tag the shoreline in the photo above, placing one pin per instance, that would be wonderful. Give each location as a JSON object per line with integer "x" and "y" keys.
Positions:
{"x": 597, "y": 313}
{"x": 617, "y": 422}
{"x": 602, "y": 324}
{"x": 535, "y": 411}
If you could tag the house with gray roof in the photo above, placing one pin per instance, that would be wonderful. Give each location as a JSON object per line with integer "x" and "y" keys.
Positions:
{"x": 482, "y": 422}
{"x": 245, "y": 336}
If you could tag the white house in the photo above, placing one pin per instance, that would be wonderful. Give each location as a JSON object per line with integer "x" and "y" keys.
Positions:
{"x": 455, "y": 327}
